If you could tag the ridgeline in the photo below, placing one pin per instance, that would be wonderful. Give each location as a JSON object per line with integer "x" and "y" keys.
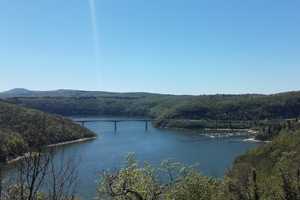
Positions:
{"x": 170, "y": 111}
{"x": 221, "y": 107}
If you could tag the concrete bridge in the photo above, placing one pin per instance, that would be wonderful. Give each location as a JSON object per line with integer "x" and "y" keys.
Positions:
{"x": 115, "y": 122}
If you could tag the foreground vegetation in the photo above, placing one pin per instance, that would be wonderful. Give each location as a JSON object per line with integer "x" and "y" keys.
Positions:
{"x": 169, "y": 181}
{"x": 22, "y": 129}
{"x": 40, "y": 177}
{"x": 271, "y": 171}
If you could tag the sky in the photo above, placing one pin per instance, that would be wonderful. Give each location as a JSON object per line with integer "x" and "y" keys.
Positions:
{"x": 162, "y": 46}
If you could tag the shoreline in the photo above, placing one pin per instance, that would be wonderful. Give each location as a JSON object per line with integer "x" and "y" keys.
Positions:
{"x": 213, "y": 131}
{"x": 216, "y": 133}
{"x": 225, "y": 130}
{"x": 25, "y": 155}
{"x": 256, "y": 141}
{"x": 71, "y": 142}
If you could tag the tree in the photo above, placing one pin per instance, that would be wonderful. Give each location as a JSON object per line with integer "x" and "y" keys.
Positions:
{"x": 39, "y": 177}
{"x": 170, "y": 181}
{"x": 1, "y": 179}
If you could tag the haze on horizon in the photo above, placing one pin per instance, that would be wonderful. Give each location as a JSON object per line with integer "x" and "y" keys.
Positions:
{"x": 170, "y": 46}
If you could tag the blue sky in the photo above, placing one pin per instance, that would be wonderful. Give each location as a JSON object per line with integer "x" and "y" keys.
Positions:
{"x": 166, "y": 46}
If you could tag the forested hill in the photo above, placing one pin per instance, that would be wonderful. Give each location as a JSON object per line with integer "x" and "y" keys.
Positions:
{"x": 24, "y": 128}
{"x": 221, "y": 107}
{"x": 21, "y": 92}
{"x": 270, "y": 171}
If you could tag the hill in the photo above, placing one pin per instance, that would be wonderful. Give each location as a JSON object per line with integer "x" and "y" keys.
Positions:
{"x": 23, "y": 128}
{"x": 22, "y": 92}
{"x": 160, "y": 106}
{"x": 270, "y": 171}
{"x": 16, "y": 92}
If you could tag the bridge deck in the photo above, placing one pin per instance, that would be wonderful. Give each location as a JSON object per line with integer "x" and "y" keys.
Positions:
{"x": 117, "y": 120}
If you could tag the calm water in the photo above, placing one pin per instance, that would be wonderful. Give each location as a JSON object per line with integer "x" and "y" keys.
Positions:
{"x": 213, "y": 155}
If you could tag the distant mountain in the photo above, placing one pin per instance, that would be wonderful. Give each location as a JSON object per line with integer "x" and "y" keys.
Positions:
{"x": 21, "y": 92}
{"x": 16, "y": 92}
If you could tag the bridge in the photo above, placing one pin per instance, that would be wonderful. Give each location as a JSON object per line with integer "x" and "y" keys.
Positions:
{"x": 115, "y": 122}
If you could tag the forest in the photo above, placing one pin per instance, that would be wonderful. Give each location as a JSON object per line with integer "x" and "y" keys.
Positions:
{"x": 249, "y": 111}
{"x": 22, "y": 129}
{"x": 160, "y": 106}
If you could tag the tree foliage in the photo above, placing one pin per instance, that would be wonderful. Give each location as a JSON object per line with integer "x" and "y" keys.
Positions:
{"x": 23, "y": 128}
{"x": 170, "y": 181}
{"x": 276, "y": 166}
{"x": 236, "y": 107}
{"x": 250, "y": 107}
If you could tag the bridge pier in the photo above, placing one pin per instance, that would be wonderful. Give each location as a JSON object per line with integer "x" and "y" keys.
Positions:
{"x": 116, "y": 127}
{"x": 146, "y": 125}
{"x": 115, "y": 122}
{"x": 83, "y": 124}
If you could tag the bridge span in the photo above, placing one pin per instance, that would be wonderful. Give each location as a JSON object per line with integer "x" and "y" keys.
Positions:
{"x": 82, "y": 122}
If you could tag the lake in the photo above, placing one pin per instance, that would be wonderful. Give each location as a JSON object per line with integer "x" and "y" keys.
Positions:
{"x": 213, "y": 155}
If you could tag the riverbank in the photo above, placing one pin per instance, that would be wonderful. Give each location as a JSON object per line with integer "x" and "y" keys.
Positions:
{"x": 255, "y": 140}
{"x": 227, "y": 130}
{"x": 215, "y": 131}
{"x": 71, "y": 142}
{"x": 19, "y": 158}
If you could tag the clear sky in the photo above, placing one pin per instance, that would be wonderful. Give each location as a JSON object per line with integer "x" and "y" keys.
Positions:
{"x": 166, "y": 46}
